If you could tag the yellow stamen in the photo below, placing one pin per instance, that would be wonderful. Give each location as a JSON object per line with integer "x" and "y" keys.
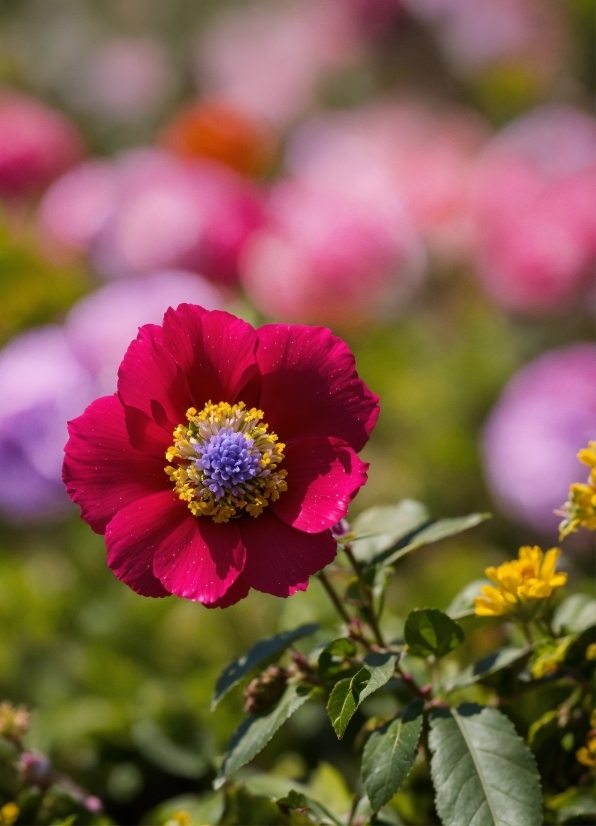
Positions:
{"x": 189, "y": 479}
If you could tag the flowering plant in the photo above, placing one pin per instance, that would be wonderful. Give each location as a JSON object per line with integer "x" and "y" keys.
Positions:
{"x": 227, "y": 461}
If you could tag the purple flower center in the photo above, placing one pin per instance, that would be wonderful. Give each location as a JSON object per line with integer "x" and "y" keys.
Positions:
{"x": 227, "y": 460}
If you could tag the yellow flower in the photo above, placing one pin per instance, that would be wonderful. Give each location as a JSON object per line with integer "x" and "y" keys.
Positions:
{"x": 580, "y": 509}
{"x": 8, "y": 814}
{"x": 587, "y": 754}
{"x": 530, "y": 577}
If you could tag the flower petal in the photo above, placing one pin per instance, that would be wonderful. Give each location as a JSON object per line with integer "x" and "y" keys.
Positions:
{"x": 237, "y": 591}
{"x": 150, "y": 380}
{"x": 324, "y": 475}
{"x": 279, "y": 559}
{"x": 310, "y": 386}
{"x": 145, "y": 435}
{"x": 198, "y": 559}
{"x": 133, "y": 536}
{"x": 102, "y": 471}
{"x": 216, "y": 351}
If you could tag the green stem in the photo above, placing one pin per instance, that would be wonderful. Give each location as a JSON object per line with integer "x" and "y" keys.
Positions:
{"x": 367, "y": 595}
{"x": 334, "y": 598}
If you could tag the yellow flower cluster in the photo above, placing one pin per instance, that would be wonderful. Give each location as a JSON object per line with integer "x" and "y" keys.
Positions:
{"x": 520, "y": 582}
{"x": 580, "y": 509}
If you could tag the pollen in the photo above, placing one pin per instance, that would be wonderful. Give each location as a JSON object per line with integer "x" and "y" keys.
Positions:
{"x": 224, "y": 463}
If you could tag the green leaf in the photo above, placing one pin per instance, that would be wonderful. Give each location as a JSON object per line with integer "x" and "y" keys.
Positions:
{"x": 297, "y": 800}
{"x": 575, "y": 614}
{"x": 332, "y": 659}
{"x": 380, "y": 528}
{"x": 441, "y": 529}
{"x": 431, "y": 632}
{"x": 204, "y": 808}
{"x": 573, "y": 806}
{"x": 348, "y": 693}
{"x": 389, "y": 755}
{"x": 256, "y": 731}
{"x": 497, "y": 661}
{"x": 462, "y": 604}
{"x": 156, "y": 747}
{"x": 543, "y": 729}
{"x": 481, "y": 770}
{"x": 259, "y": 653}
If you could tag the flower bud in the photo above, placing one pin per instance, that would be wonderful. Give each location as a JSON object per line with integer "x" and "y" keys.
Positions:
{"x": 14, "y": 721}
{"x": 265, "y": 690}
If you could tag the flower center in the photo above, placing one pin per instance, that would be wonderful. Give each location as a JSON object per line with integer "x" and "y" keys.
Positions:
{"x": 225, "y": 462}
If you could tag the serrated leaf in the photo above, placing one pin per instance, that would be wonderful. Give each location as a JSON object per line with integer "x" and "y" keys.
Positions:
{"x": 256, "y": 731}
{"x": 462, "y": 604}
{"x": 575, "y": 614}
{"x": 389, "y": 755}
{"x": 381, "y": 527}
{"x": 491, "y": 664}
{"x": 259, "y": 653}
{"x": 441, "y": 529}
{"x": 429, "y": 631}
{"x": 332, "y": 658}
{"x": 348, "y": 693}
{"x": 481, "y": 770}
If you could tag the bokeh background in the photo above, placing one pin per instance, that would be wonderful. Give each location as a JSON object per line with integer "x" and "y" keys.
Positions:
{"x": 420, "y": 175}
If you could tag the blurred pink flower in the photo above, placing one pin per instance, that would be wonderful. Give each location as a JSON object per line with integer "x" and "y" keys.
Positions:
{"x": 42, "y": 385}
{"x": 266, "y": 58}
{"x": 129, "y": 77}
{"x": 77, "y": 205}
{"x": 172, "y": 214}
{"x": 535, "y": 213}
{"x": 545, "y": 415}
{"x": 36, "y": 145}
{"x": 476, "y": 34}
{"x": 421, "y": 153}
{"x": 329, "y": 257}
{"x": 101, "y": 325}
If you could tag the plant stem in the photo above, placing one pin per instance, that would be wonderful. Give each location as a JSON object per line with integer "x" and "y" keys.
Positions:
{"x": 349, "y": 621}
{"x": 368, "y": 597}
{"x": 411, "y": 683}
{"x": 334, "y": 598}
{"x": 526, "y": 632}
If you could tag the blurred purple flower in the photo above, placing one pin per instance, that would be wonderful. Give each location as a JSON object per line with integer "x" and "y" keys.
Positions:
{"x": 42, "y": 385}
{"x": 36, "y": 145}
{"x": 128, "y": 77}
{"x": 534, "y": 210}
{"x": 545, "y": 415}
{"x": 528, "y": 35}
{"x": 266, "y": 59}
{"x": 173, "y": 214}
{"x": 100, "y": 326}
{"x": 332, "y": 258}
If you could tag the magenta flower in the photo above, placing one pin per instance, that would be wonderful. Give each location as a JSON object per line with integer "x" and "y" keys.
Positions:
{"x": 225, "y": 458}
